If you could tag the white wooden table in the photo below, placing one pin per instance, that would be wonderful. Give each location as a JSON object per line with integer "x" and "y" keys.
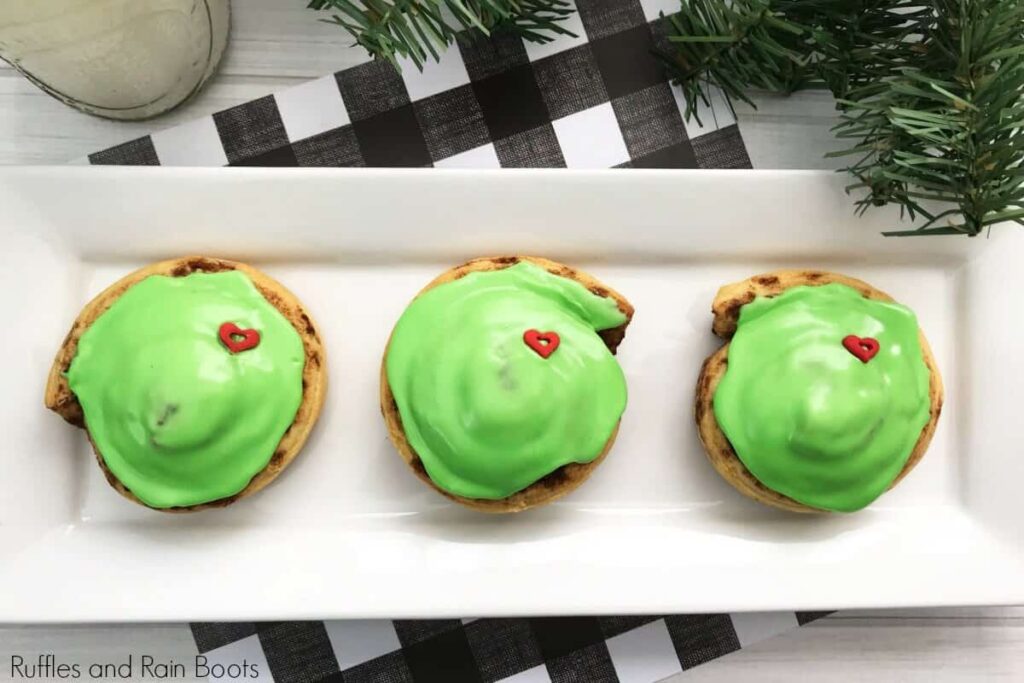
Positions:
{"x": 277, "y": 43}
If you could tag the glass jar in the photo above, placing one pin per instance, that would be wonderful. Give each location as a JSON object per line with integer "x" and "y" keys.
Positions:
{"x": 120, "y": 59}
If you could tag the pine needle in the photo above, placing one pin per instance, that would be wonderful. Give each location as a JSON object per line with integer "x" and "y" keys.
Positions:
{"x": 419, "y": 30}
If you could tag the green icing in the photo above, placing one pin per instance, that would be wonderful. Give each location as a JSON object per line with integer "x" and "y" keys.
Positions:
{"x": 806, "y": 417}
{"x": 177, "y": 418}
{"x": 485, "y": 413}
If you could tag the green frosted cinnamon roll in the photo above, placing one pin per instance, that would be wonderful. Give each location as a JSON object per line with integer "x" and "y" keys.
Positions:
{"x": 197, "y": 379}
{"x": 499, "y": 383}
{"x": 825, "y": 395}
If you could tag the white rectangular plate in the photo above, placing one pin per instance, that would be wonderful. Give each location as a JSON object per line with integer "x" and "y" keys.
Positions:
{"x": 348, "y": 532}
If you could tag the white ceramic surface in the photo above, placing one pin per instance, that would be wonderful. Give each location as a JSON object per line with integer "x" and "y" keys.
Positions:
{"x": 347, "y": 532}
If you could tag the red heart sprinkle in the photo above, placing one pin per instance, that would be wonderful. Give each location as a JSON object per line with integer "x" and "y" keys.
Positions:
{"x": 863, "y": 348}
{"x": 249, "y": 338}
{"x": 544, "y": 343}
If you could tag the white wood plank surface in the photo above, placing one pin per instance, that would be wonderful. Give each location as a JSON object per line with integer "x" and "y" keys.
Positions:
{"x": 277, "y": 43}
{"x": 929, "y": 646}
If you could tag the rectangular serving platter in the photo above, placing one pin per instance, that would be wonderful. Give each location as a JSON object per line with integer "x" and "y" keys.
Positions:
{"x": 348, "y": 532}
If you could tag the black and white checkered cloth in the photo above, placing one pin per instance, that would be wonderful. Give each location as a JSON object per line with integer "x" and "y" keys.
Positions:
{"x": 597, "y": 100}
{"x": 542, "y": 650}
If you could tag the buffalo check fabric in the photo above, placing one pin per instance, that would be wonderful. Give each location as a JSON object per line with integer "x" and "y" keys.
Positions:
{"x": 597, "y": 99}
{"x": 540, "y": 650}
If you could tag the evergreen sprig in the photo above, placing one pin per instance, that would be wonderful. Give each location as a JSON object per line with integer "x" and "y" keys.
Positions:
{"x": 737, "y": 46}
{"x": 421, "y": 29}
{"x": 948, "y": 127}
{"x": 930, "y": 92}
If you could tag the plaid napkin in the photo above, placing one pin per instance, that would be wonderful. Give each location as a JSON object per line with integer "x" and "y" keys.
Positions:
{"x": 543, "y": 650}
{"x": 596, "y": 100}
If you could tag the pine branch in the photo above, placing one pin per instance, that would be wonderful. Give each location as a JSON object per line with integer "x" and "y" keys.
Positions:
{"x": 421, "y": 29}
{"x": 735, "y": 46}
{"x": 946, "y": 129}
{"x": 930, "y": 92}
{"x": 786, "y": 45}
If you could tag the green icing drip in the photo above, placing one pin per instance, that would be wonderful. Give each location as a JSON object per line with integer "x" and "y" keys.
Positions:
{"x": 806, "y": 417}
{"x": 178, "y": 419}
{"x": 485, "y": 413}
